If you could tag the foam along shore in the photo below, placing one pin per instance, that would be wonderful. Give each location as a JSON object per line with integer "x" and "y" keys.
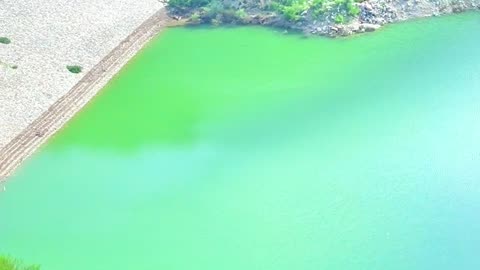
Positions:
{"x": 40, "y": 94}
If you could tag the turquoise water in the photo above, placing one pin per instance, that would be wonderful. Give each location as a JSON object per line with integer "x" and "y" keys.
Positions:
{"x": 242, "y": 148}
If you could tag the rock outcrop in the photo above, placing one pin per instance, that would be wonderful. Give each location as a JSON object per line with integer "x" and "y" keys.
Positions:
{"x": 335, "y": 19}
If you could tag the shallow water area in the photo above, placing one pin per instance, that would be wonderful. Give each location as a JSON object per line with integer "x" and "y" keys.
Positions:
{"x": 243, "y": 148}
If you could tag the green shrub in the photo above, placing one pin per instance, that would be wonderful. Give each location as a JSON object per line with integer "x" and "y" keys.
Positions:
{"x": 183, "y": 4}
{"x": 339, "y": 19}
{"x": 74, "y": 69}
{"x": 241, "y": 15}
{"x": 352, "y": 9}
{"x": 291, "y": 9}
{"x": 195, "y": 18}
{"x": 212, "y": 10}
{"x": 216, "y": 21}
{"x": 7, "y": 263}
{"x": 318, "y": 7}
{"x": 220, "y": 11}
{"x": 4, "y": 40}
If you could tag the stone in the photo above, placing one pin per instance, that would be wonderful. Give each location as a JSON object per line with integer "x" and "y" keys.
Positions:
{"x": 368, "y": 27}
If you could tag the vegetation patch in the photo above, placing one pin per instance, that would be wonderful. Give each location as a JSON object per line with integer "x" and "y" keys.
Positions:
{"x": 7, "y": 263}
{"x": 8, "y": 66}
{"x": 292, "y": 11}
{"x": 4, "y": 40}
{"x": 339, "y": 19}
{"x": 74, "y": 69}
{"x": 323, "y": 17}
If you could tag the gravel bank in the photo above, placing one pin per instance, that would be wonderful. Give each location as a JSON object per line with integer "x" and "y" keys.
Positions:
{"x": 40, "y": 95}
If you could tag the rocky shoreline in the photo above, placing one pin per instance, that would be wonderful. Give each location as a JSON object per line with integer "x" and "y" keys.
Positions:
{"x": 375, "y": 14}
{"x": 372, "y": 15}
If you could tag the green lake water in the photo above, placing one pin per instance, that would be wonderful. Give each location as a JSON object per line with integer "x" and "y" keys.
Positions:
{"x": 244, "y": 148}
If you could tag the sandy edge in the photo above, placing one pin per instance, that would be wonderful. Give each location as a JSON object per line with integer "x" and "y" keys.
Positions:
{"x": 53, "y": 119}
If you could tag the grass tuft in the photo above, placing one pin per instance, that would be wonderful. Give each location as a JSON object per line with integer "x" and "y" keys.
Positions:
{"x": 4, "y": 40}
{"x": 74, "y": 69}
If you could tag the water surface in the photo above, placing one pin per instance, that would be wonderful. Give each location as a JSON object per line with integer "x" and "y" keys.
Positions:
{"x": 242, "y": 148}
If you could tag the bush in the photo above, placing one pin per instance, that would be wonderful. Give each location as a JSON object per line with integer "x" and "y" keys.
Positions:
{"x": 220, "y": 11}
{"x": 227, "y": 16}
{"x": 318, "y": 7}
{"x": 74, "y": 69}
{"x": 216, "y": 21}
{"x": 352, "y": 8}
{"x": 183, "y": 4}
{"x": 291, "y": 9}
{"x": 241, "y": 15}
{"x": 195, "y": 18}
{"x": 339, "y": 19}
{"x": 4, "y": 40}
{"x": 212, "y": 11}
{"x": 7, "y": 263}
